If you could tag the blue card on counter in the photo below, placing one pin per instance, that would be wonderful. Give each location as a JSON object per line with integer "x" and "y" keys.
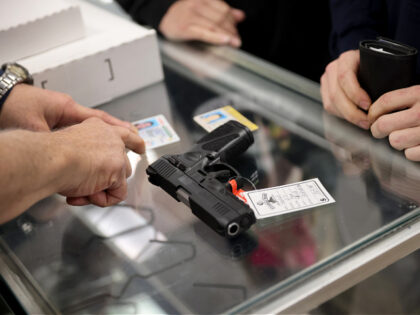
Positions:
{"x": 156, "y": 132}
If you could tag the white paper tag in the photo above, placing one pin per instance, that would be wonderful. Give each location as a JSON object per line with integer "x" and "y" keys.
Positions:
{"x": 288, "y": 198}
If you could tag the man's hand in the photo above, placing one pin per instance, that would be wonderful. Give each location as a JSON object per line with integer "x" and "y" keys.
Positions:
{"x": 341, "y": 92}
{"x": 397, "y": 114}
{"x": 210, "y": 21}
{"x": 32, "y": 108}
{"x": 98, "y": 165}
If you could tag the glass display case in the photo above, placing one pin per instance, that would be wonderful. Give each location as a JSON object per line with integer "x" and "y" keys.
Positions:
{"x": 152, "y": 255}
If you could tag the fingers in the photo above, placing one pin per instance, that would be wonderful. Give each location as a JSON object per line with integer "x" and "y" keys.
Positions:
{"x": 348, "y": 66}
{"x": 100, "y": 166}
{"x": 386, "y": 120}
{"x": 131, "y": 140}
{"x": 218, "y": 5}
{"x": 204, "y": 30}
{"x": 49, "y": 110}
{"x": 238, "y": 15}
{"x": 222, "y": 14}
{"x": 352, "y": 113}
{"x": 413, "y": 154}
{"x": 110, "y": 119}
{"x": 108, "y": 197}
{"x": 211, "y": 21}
{"x": 387, "y": 124}
{"x": 325, "y": 97}
{"x": 221, "y": 18}
{"x": 338, "y": 103}
{"x": 402, "y": 126}
{"x": 78, "y": 201}
{"x": 116, "y": 193}
{"x": 218, "y": 18}
{"x": 406, "y": 138}
{"x": 224, "y": 9}
{"x": 128, "y": 169}
{"x": 393, "y": 101}
{"x": 133, "y": 129}
{"x": 197, "y": 32}
{"x": 75, "y": 113}
{"x": 100, "y": 199}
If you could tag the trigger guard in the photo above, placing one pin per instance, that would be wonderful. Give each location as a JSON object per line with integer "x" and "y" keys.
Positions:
{"x": 215, "y": 168}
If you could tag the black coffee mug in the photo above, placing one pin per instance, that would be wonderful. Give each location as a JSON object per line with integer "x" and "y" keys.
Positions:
{"x": 386, "y": 65}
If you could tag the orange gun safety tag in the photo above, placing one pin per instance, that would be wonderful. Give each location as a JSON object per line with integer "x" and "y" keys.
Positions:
{"x": 237, "y": 192}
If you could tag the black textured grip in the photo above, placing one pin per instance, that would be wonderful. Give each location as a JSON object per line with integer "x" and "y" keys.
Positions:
{"x": 228, "y": 140}
{"x": 223, "y": 130}
{"x": 217, "y": 144}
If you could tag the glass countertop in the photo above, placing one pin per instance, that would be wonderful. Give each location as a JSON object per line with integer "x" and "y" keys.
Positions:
{"x": 152, "y": 255}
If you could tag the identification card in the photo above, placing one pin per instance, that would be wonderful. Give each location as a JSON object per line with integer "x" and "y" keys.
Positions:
{"x": 156, "y": 132}
{"x": 215, "y": 118}
{"x": 288, "y": 198}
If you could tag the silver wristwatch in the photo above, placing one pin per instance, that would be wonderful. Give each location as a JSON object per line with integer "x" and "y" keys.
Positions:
{"x": 13, "y": 74}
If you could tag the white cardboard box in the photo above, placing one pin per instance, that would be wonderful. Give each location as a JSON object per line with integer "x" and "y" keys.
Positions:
{"x": 116, "y": 57}
{"x": 28, "y": 27}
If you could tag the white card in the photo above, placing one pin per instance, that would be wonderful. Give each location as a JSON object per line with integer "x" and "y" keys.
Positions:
{"x": 288, "y": 198}
{"x": 156, "y": 131}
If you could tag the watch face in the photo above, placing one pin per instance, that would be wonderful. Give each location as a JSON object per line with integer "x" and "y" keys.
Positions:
{"x": 19, "y": 71}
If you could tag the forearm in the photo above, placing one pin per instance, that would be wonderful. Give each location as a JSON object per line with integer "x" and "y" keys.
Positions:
{"x": 31, "y": 169}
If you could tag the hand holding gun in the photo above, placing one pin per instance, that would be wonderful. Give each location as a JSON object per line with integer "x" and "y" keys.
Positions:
{"x": 201, "y": 179}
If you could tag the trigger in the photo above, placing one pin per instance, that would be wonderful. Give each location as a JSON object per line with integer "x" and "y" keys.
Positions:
{"x": 222, "y": 176}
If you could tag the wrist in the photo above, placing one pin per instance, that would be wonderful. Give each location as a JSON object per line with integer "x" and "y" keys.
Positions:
{"x": 64, "y": 160}
{"x": 57, "y": 154}
{"x": 31, "y": 169}
{"x": 3, "y": 98}
{"x": 12, "y": 74}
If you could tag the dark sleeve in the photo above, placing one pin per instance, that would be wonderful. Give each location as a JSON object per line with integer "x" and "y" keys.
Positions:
{"x": 408, "y": 27}
{"x": 409, "y": 23}
{"x": 353, "y": 21}
{"x": 147, "y": 12}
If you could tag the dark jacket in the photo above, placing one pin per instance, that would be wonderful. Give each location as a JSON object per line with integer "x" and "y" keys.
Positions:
{"x": 356, "y": 20}
{"x": 291, "y": 34}
{"x": 147, "y": 12}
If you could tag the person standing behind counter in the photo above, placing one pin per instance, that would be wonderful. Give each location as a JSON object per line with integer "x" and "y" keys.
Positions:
{"x": 50, "y": 144}
{"x": 396, "y": 114}
{"x": 291, "y": 34}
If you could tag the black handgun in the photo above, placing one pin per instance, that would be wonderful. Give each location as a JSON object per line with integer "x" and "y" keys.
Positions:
{"x": 200, "y": 179}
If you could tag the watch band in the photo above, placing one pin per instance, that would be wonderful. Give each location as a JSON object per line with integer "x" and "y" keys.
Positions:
{"x": 8, "y": 80}
{"x": 4, "y": 96}
{"x": 10, "y": 75}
